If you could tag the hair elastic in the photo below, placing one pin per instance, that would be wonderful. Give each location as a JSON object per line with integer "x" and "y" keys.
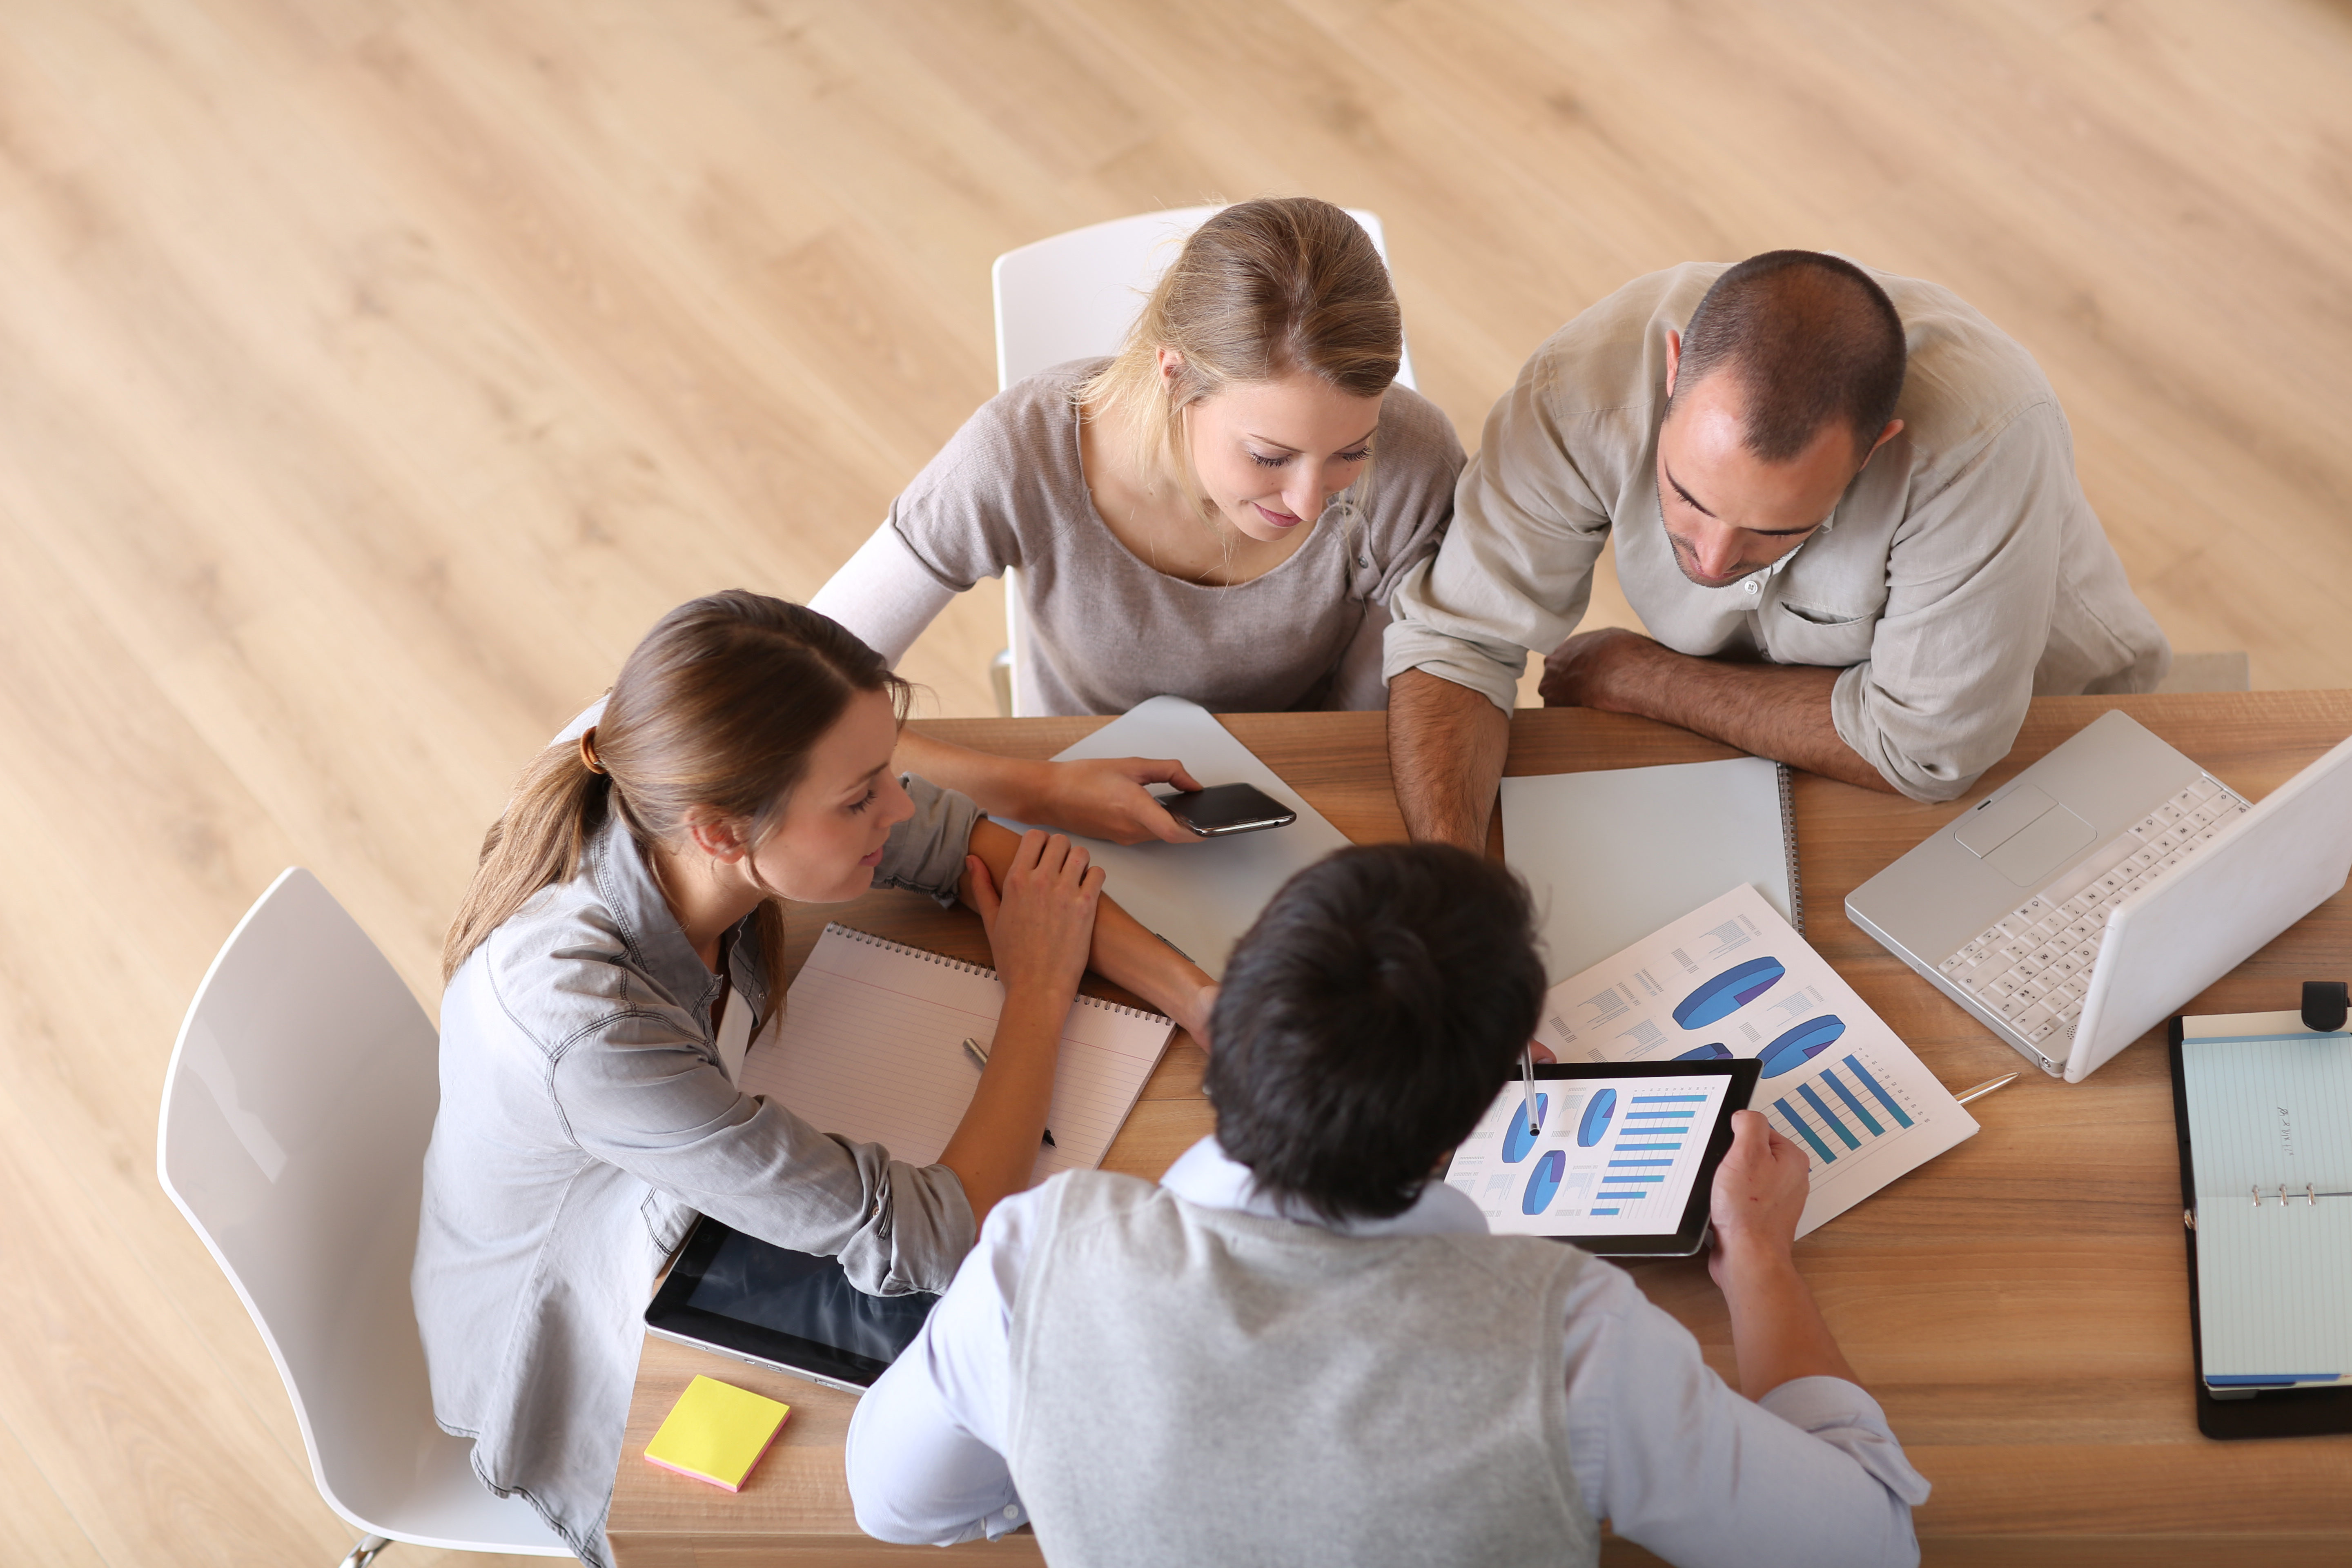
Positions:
{"x": 588, "y": 751}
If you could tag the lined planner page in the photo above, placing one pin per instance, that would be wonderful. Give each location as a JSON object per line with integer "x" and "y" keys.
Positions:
{"x": 2272, "y": 1276}
{"x": 870, "y": 1046}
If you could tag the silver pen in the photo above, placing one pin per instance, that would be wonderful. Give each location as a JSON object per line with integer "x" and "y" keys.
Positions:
{"x": 1527, "y": 1087}
{"x": 1986, "y": 1088}
{"x": 979, "y": 1053}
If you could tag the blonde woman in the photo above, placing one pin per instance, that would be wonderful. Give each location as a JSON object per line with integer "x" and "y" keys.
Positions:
{"x": 1217, "y": 512}
{"x": 616, "y": 952}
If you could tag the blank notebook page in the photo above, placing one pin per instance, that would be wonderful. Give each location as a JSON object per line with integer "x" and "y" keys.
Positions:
{"x": 870, "y": 1046}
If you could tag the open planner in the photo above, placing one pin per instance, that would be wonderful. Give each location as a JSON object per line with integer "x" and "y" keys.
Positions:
{"x": 870, "y": 1046}
{"x": 2264, "y": 1110}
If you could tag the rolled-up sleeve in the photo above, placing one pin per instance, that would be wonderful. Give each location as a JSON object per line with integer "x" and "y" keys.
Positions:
{"x": 1972, "y": 582}
{"x": 925, "y": 852}
{"x": 1515, "y": 572}
{"x": 658, "y": 1108}
{"x": 1680, "y": 1464}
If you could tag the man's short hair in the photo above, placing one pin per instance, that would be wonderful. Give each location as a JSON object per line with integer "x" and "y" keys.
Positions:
{"x": 1809, "y": 338}
{"x": 1368, "y": 1018}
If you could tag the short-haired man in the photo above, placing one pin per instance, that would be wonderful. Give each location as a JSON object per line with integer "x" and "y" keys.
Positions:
{"x": 1844, "y": 506}
{"x": 1300, "y": 1348}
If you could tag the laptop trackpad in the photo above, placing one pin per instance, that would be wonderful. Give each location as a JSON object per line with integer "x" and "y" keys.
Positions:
{"x": 2029, "y": 858}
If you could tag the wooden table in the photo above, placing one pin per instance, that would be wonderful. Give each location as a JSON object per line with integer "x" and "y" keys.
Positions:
{"x": 2020, "y": 1306}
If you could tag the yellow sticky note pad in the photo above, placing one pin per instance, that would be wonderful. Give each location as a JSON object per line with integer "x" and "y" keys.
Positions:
{"x": 717, "y": 1432}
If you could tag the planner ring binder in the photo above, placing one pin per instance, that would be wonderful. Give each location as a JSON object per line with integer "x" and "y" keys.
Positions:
{"x": 1789, "y": 846}
{"x": 961, "y": 967}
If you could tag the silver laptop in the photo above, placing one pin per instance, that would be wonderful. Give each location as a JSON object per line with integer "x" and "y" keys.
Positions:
{"x": 2088, "y": 899}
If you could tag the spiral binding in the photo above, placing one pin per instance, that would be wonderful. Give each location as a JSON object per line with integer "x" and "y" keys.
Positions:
{"x": 1789, "y": 846}
{"x": 961, "y": 967}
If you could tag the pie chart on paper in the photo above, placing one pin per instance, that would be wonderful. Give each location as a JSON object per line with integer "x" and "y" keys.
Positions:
{"x": 1728, "y": 992}
{"x": 1801, "y": 1045}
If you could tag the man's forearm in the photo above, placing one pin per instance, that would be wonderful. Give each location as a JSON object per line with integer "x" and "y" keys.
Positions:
{"x": 1447, "y": 746}
{"x": 1776, "y": 1331}
{"x": 1776, "y": 711}
{"x": 1124, "y": 951}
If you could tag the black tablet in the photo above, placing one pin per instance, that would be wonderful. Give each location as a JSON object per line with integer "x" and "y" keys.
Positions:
{"x": 743, "y": 1297}
{"x": 1621, "y": 1159}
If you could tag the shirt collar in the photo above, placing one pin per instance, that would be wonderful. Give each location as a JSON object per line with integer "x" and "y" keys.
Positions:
{"x": 626, "y": 886}
{"x": 1206, "y": 1175}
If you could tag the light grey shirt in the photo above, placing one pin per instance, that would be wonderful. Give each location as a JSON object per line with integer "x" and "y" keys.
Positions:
{"x": 1107, "y": 630}
{"x": 1810, "y": 1476}
{"x": 587, "y": 1115}
{"x": 1962, "y": 574}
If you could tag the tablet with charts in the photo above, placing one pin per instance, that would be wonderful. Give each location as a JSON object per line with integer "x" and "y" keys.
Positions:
{"x": 1618, "y": 1157}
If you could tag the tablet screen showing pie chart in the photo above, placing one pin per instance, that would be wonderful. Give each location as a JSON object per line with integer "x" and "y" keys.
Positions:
{"x": 1543, "y": 1181}
{"x": 1516, "y": 1139}
{"x": 1602, "y": 1106}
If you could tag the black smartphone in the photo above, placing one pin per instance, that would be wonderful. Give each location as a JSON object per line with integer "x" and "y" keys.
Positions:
{"x": 1228, "y": 808}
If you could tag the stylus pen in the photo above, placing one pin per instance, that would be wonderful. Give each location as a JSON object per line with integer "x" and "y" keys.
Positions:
{"x": 1528, "y": 1084}
{"x": 979, "y": 1053}
{"x": 1986, "y": 1088}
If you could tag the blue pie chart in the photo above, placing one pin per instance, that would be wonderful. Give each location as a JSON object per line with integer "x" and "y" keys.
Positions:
{"x": 1590, "y": 1130}
{"x": 1728, "y": 992}
{"x": 1801, "y": 1045}
{"x": 1706, "y": 1054}
{"x": 1516, "y": 1139}
{"x": 1543, "y": 1181}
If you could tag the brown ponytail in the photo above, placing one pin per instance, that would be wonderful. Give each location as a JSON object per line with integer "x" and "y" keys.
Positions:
{"x": 1261, "y": 290}
{"x": 719, "y": 707}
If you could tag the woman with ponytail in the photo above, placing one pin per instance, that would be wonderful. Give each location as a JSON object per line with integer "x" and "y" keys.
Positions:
{"x": 1216, "y": 512}
{"x": 614, "y": 957}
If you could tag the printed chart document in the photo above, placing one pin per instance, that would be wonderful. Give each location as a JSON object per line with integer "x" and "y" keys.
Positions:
{"x": 1200, "y": 897}
{"x": 2270, "y": 1147}
{"x": 870, "y": 1046}
{"x": 1614, "y": 854}
{"x": 1733, "y": 979}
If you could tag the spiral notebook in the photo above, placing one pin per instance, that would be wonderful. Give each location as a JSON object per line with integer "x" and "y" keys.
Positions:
{"x": 2265, "y": 1121}
{"x": 1615, "y": 854}
{"x": 870, "y": 1046}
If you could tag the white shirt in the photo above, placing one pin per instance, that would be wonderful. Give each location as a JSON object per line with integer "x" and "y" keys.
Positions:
{"x": 1672, "y": 1458}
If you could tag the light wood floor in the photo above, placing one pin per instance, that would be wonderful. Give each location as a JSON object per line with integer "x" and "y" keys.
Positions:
{"x": 370, "y": 376}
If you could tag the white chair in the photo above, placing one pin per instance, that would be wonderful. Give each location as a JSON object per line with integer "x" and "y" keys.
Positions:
{"x": 1074, "y": 297}
{"x": 296, "y": 1112}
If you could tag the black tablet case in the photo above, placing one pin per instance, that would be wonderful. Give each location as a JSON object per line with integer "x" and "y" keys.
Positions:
{"x": 2284, "y": 1412}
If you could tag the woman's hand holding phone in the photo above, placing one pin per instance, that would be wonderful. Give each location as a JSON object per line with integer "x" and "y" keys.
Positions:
{"x": 1105, "y": 797}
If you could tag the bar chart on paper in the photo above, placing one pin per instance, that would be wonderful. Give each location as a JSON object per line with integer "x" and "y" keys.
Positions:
{"x": 1733, "y": 979}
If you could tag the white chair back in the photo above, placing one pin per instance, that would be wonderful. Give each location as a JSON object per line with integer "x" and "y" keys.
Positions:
{"x": 1073, "y": 296}
{"x": 295, "y": 1112}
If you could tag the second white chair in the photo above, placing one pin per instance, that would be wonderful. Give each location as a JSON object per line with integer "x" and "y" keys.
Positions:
{"x": 295, "y": 1112}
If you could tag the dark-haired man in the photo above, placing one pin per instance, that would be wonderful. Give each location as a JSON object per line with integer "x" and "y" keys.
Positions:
{"x": 1843, "y": 504}
{"x": 1300, "y": 1349}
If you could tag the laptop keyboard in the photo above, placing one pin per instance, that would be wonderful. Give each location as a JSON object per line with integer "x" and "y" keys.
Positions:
{"x": 2032, "y": 968}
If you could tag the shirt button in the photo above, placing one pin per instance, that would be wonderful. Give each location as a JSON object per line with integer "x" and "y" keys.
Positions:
{"x": 1751, "y": 585}
{"x": 1013, "y": 1511}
